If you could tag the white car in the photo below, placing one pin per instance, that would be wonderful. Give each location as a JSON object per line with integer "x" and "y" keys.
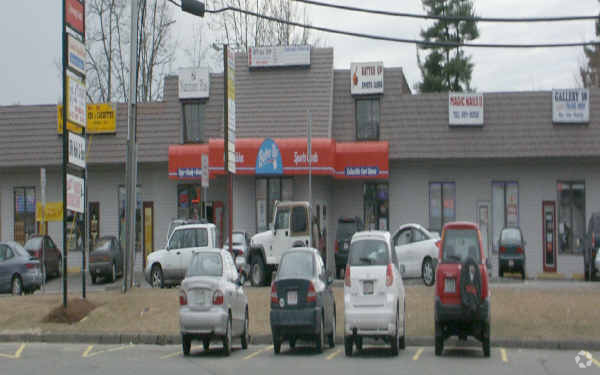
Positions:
{"x": 598, "y": 260}
{"x": 417, "y": 252}
{"x": 212, "y": 302}
{"x": 374, "y": 298}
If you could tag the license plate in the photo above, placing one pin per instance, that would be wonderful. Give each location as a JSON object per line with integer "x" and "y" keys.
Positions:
{"x": 292, "y": 297}
{"x": 450, "y": 285}
{"x": 511, "y": 263}
{"x": 367, "y": 287}
{"x": 197, "y": 297}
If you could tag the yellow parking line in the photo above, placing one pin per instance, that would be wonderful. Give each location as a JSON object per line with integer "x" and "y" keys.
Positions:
{"x": 180, "y": 352}
{"x": 503, "y": 354}
{"x": 594, "y": 360}
{"x": 417, "y": 354}
{"x": 332, "y": 355}
{"x": 87, "y": 353}
{"x": 258, "y": 352}
{"x": 17, "y": 354}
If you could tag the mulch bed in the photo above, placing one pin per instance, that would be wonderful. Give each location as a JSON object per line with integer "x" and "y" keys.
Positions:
{"x": 76, "y": 310}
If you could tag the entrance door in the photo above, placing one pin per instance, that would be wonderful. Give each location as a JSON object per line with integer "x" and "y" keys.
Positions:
{"x": 483, "y": 220}
{"x": 148, "y": 230}
{"x": 549, "y": 236}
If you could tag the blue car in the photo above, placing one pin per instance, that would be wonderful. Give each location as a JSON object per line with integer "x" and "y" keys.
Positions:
{"x": 19, "y": 272}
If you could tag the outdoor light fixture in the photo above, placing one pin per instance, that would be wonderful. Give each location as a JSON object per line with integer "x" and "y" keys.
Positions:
{"x": 194, "y": 7}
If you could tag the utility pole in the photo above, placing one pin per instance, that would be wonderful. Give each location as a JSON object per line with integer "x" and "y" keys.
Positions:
{"x": 309, "y": 150}
{"x": 226, "y": 144}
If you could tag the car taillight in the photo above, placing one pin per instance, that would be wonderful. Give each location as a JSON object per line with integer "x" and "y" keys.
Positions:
{"x": 337, "y": 246}
{"x": 347, "y": 281}
{"x": 30, "y": 266}
{"x": 502, "y": 249}
{"x": 218, "y": 297}
{"x": 520, "y": 250}
{"x": 182, "y": 298}
{"x": 274, "y": 298}
{"x": 389, "y": 275}
{"x": 311, "y": 296}
{"x": 37, "y": 254}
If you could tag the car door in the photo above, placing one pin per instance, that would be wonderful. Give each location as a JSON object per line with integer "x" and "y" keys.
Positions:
{"x": 51, "y": 254}
{"x": 171, "y": 261}
{"x": 402, "y": 245}
{"x": 232, "y": 290}
{"x": 281, "y": 231}
{"x": 421, "y": 247}
{"x": 399, "y": 286}
{"x": 4, "y": 269}
{"x": 327, "y": 294}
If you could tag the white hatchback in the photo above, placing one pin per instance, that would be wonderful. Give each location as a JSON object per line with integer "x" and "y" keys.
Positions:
{"x": 374, "y": 298}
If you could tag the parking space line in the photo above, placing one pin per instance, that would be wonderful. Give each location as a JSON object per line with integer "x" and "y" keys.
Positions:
{"x": 88, "y": 354}
{"x": 258, "y": 352}
{"x": 332, "y": 355}
{"x": 417, "y": 354}
{"x": 594, "y": 360}
{"x": 195, "y": 348}
{"x": 17, "y": 354}
{"x": 503, "y": 355}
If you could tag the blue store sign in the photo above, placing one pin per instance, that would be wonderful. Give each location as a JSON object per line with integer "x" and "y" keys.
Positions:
{"x": 268, "y": 160}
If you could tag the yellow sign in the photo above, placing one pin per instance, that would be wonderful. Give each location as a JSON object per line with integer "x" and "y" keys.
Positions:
{"x": 54, "y": 211}
{"x": 101, "y": 118}
{"x": 70, "y": 126}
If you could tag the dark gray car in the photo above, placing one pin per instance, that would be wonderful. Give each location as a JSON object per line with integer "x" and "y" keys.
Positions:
{"x": 19, "y": 272}
{"x": 511, "y": 254}
{"x": 106, "y": 259}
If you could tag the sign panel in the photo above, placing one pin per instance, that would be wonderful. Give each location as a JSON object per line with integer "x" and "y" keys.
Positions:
{"x": 194, "y": 83}
{"x": 75, "y": 15}
{"x": 465, "y": 108}
{"x": 70, "y": 126}
{"x": 75, "y": 194}
{"x": 76, "y": 102}
{"x": 268, "y": 160}
{"x": 76, "y": 52}
{"x": 101, "y": 118}
{"x": 262, "y": 57}
{"x": 53, "y": 211}
{"x": 76, "y": 150}
{"x": 204, "y": 170}
{"x": 231, "y": 109}
{"x": 366, "y": 78}
{"x": 189, "y": 172}
{"x": 571, "y": 106}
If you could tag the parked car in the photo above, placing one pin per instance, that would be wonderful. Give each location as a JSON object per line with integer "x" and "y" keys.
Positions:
{"x": 240, "y": 244}
{"x": 374, "y": 298}
{"x": 19, "y": 272}
{"x": 462, "y": 296}
{"x": 591, "y": 246}
{"x": 346, "y": 227}
{"x": 177, "y": 222}
{"x": 302, "y": 301}
{"x": 106, "y": 259}
{"x": 416, "y": 251}
{"x": 597, "y": 260}
{"x": 42, "y": 246}
{"x": 511, "y": 251}
{"x": 212, "y": 301}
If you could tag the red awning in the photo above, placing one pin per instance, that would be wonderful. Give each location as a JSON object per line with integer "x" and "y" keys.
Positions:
{"x": 362, "y": 160}
{"x": 185, "y": 161}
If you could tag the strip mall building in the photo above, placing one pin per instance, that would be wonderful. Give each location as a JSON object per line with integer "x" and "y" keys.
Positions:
{"x": 378, "y": 152}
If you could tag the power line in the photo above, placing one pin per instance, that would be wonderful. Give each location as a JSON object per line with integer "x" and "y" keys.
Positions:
{"x": 449, "y": 18}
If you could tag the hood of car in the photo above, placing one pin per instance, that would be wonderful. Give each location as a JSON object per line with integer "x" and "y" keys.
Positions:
{"x": 262, "y": 238}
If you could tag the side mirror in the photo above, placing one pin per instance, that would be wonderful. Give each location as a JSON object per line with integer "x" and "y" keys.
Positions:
{"x": 488, "y": 264}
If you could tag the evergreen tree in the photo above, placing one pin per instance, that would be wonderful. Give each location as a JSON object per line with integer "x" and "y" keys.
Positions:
{"x": 590, "y": 72}
{"x": 447, "y": 68}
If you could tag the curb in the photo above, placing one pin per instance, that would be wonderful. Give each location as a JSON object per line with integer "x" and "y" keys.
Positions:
{"x": 160, "y": 339}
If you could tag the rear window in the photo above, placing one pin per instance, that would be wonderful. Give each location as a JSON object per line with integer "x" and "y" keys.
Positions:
{"x": 345, "y": 229}
{"x": 206, "y": 264}
{"x": 459, "y": 244}
{"x": 34, "y": 243}
{"x": 369, "y": 253}
{"x": 18, "y": 248}
{"x": 103, "y": 244}
{"x": 511, "y": 235}
{"x": 296, "y": 264}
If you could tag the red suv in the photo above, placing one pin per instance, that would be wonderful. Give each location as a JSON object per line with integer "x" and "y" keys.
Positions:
{"x": 462, "y": 297}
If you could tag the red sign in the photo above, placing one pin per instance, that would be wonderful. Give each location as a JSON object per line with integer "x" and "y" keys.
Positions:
{"x": 74, "y": 14}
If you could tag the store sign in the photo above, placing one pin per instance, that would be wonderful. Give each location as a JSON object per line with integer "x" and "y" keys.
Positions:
{"x": 465, "y": 108}
{"x": 74, "y": 15}
{"x": 268, "y": 160}
{"x": 75, "y": 194}
{"x": 231, "y": 110}
{"x": 366, "y": 78}
{"x": 189, "y": 172}
{"x": 76, "y": 150}
{"x": 53, "y": 211}
{"x": 76, "y": 100}
{"x": 76, "y": 51}
{"x": 571, "y": 106}
{"x": 205, "y": 171}
{"x": 361, "y": 171}
{"x": 274, "y": 56}
{"x": 101, "y": 118}
{"x": 70, "y": 126}
{"x": 194, "y": 83}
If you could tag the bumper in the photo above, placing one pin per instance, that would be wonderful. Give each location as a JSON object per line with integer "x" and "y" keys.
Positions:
{"x": 454, "y": 313}
{"x": 301, "y": 321}
{"x": 370, "y": 321}
{"x": 104, "y": 268}
{"x": 32, "y": 280}
{"x": 212, "y": 322}
{"x": 518, "y": 263}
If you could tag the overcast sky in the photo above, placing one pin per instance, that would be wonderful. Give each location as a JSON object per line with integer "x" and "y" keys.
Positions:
{"x": 31, "y": 43}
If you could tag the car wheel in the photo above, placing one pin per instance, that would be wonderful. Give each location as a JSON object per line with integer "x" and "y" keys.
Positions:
{"x": 320, "y": 339}
{"x": 427, "y": 272}
{"x": 245, "y": 338}
{"x": 206, "y": 344}
{"x": 276, "y": 342}
{"x": 402, "y": 341}
{"x": 394, "y": 338}
{"x": 439, "y": 340}
{"x": 293, "y": 342}
{"x": 156, "y": 276}
{"x": 257, "y": 273}
{"x": 331, "y": 337}
{"x": 16, "y": 286}
{"x": 113, "y": 274}
{"x": 348, "y": 345}
{"x": 359, "y": 343}
{"x": 485, "y": 342}
{"x": 227, "y": 339}
{"x": 186, "y": 343}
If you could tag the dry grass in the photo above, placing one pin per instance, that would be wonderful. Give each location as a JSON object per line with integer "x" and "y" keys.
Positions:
{"x": 569, "y": 313}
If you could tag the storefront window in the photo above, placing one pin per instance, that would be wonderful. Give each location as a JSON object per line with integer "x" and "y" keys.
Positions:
{"x": 571, "y": 216}
{"x": 24, "y": 203}
{"x": 269, "y": 190}
{"x": 367, "y": 119}
{"x": 505, "y": 208}
{"x": 138, "y": 218}
{"x": 193, "y": 122}
{"x": 442, "y": 204}
{"x": 376, "y": 204}
{"x": 189, "y": 201}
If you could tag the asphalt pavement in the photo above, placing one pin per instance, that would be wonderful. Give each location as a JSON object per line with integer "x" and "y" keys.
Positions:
{"x": 76, "y": 359}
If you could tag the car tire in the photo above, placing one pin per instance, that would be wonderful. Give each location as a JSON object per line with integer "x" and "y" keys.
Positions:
{"x": 206, "y": 344}
{"x": 359, "y": 343}
{"x": 394, "y": 339}
{"x": 245, "y": 338}
{"x": 276, "y": 342}
{"x": 16, "y": 286}
{"x": 156, "y": 277}
{"x": 331, "y": 337}
{"x": 257, "y": 271}
{"x": 227, "y": 339}
{"x": 348, "y": 345}
{"x": 439, "y": 340}
{"x": 186, "y": 343}
{"x": 485, "y": 342}
{"x": 320, "y": 338}
{"x": 427, "y": 272}
{"x": 402, "y": 340}
{"x": 93, "y": 277}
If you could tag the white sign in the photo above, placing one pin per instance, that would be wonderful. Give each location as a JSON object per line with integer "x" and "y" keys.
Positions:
{"x": 76, "y": 150}
{"x": 366, "y": 78}
{"x": 571, "y": 105}
{"x": 43, "y": 183}
{"x": 204, "y": 170}
{"x": 75, "y": 194}
{"x": 465, "y": 108}
{"x": 194, "y": 83}
{"x": 77, "y": 53}
{"x": 231, "y": 110}
{"x": 76, "y": 102}
{"x": 261, "y": 57}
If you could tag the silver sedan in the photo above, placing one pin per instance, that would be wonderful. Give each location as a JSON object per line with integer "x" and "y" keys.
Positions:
{"x": 213, "y": 305}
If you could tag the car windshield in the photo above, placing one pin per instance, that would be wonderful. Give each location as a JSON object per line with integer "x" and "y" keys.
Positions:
{"x": 34, "y": 243}
{"x": 459, "y": 244}
{"x": 369, "y": 253}
{"x": 206, "y": 264}
{"x": 296, "y": 264}
{"x": 345, "y": 230}
{"x": 510, "y": 235}
{"x": 20, "y": 250}
{"x": 102, "y": 244}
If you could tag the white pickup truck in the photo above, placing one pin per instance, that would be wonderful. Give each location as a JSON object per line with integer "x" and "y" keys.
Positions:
{"x": 168, "y": 266}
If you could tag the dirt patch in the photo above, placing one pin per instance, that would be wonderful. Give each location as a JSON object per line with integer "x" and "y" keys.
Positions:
{"x": 76, "y": 310}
